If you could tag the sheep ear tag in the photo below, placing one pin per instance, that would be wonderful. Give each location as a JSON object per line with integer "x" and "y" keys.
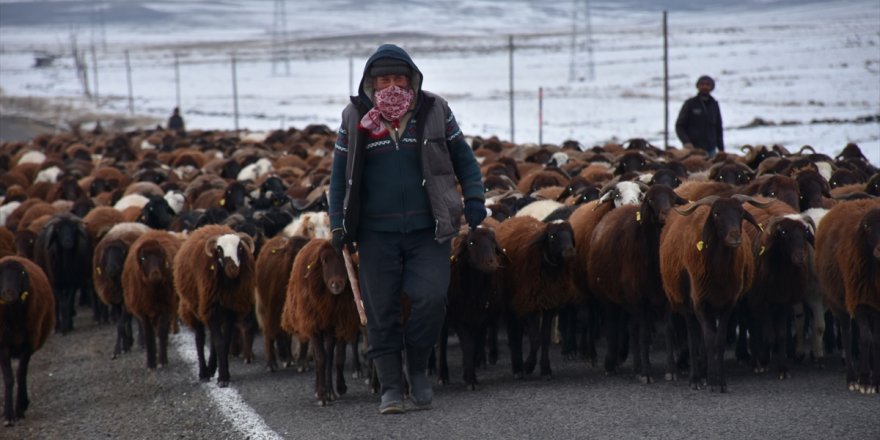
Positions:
{"x": 639, "y": 216}
{"x": 701, "y": 245}
{"x": 222, "y": 202}
{"x": 24, "y": 295}
{"x": 98, "y": 269}
{"x": 762, "y": 251}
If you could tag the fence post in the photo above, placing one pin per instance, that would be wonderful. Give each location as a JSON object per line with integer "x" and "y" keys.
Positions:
{"x": 350, "y": 75}
{"x": 177, "y": 78}
{"x": 95, "y": 74}
{"x": 510, "y": 47}
{"x": 128, "y": 76}
{"x": 540, "y": 116}
{"x": 665, "y": 85}
{"x": 234, "y": 92}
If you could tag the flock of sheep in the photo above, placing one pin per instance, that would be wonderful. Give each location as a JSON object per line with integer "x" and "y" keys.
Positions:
{"x": 228, "y": 234}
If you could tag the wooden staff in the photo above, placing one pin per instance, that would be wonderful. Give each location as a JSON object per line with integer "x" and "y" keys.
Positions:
{"x": 355, "y": 286}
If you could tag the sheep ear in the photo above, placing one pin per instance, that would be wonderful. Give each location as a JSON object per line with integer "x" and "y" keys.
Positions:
{"x": 210, "y": 245}
{"x": 248, "y": 241}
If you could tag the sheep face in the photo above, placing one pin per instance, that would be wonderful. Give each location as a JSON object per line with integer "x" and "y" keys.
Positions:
{"x": 113, "y": 259}
{"x": 631, "y": 161}
{"x": 65, "y": 234}
{"x": 482, "y": 250}
{"x": 792, "y": 237}
{"x": 781, "y": 188}
{"x": 153, "y": 262}
{"x": 229, "y": 250}
{"x": 869, "y": 229}
{"x": 665, "y": 177}
{"x": 731, "y": 173}
{"x": 157, "y": 214}
{"x": 333, "y": 270}
{"x": 234, "y": 197}
{"x": 558, "y": 243}
{"x": 658, "y": 201}
{"x": 624, "y": 193}
{"x": 812, "y": 187}
{"x": 724, "y": 223}
{"x": 24, "y": 243}
{"x": 14, "y": 283}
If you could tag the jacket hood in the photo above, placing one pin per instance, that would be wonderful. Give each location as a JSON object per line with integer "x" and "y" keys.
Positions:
{"x": 365, "y": 89}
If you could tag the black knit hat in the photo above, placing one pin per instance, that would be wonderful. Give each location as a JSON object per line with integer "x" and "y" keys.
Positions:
{"x": 706, "y": 78}
{"x": 390, "y": 66}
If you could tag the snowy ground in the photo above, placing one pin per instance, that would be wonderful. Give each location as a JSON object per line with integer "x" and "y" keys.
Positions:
{"x": 809, "y": 68}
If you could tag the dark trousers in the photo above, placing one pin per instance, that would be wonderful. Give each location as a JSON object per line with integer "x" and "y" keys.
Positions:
{"x": 392, "y": 263}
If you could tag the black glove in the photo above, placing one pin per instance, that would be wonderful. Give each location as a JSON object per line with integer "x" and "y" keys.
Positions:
{"x": 337, "y": 240}
{"x": 474, "y": 212}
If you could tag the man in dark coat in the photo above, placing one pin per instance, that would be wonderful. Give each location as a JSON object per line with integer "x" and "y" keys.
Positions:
{"x": 175, "y": 122}
{"x": 398, "y": 158}
{"x": 699, "y": 122}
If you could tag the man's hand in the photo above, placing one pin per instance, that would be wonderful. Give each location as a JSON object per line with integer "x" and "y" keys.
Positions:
{"x": 688, "y": 146}
{"x": 337, "y": 240}
{"x": 474, "y": 212}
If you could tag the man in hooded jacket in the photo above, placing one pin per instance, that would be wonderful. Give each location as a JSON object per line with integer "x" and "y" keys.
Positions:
{"x": 398, "y": 157}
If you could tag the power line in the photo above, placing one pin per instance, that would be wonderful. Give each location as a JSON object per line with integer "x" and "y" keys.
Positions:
{"x": 279, "y": 38}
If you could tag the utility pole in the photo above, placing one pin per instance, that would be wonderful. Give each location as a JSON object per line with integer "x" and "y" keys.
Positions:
{"x": 665, "y": 84}
{"x": 279, "y": 38}
{"x": 574, "y": 66}
{"x": 510, "y": 48}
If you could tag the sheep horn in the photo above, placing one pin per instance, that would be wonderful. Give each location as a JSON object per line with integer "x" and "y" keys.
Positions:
{"x": 248, "y": 241}
{"x": 754, "y": 202}
{"x": 747, "y": 216}
{"x": 708, "y": 200}
{"x": 210, "y": 245}
{"x": 807, "y": 147}
{"x": 746, "y": 147}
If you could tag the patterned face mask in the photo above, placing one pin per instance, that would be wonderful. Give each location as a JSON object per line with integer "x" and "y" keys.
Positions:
{"x": 391, "y": 104}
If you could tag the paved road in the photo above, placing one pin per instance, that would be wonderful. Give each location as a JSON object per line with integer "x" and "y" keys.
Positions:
{"x": 15, "y": 128}
{"x": 78, "y": 392}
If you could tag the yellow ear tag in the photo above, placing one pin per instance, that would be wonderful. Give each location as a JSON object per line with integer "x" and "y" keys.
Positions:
{"x": 24, "y": 295}
{"x": 212, "y": 268}
{"x": 452, "y": 258}
{"x": 639, "y": 216}
{"x": 762, "y": 251}
{"x": 761, "y": 227}
{"x": 222, "y": 202}
{"x": 99, "y": 270}
{"x": 701, "y": 245}
{"x": 274, "y": 251}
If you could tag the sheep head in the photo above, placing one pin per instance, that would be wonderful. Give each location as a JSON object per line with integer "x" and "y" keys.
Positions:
{"x": 557, "y": 243}
{"x": 869, "y": 230}
{"x": 333, "y": 269}
{"x": 623, "y": 193}
{"x": 153, "y": 261}
{"x": 113, "y": 259}
{"x": 480, "y": 249}
{"x": 724, "y": 222}
{"x": 228, "y": 250}
{"x": 658, "y": 201}
{"x": 14, "y": 283}
{"x": 791, "y": 236}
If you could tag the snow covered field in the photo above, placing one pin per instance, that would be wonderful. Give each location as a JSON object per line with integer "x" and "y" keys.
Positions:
{"x": 809, "y": 69}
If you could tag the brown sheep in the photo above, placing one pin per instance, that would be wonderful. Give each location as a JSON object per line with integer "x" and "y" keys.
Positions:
{"x": 7, "y": 242}
{"x": 848, "y": 263}
{"x": 148, "y": 289}
{"x": 320, "y": 309}
{"x": 707, "y": 265}
{"x": 274, "y": 265}
{"x": 36, "y": 211}
{"x": 538, "y": 281}
{"x": 214, "y": 275}
{"x": 27, "y": 317}
{"x": 100, "y": 220}
{"x": 624, "y": 268}
{"x": 15, "y": 216}
{"x": 109, "y": 261}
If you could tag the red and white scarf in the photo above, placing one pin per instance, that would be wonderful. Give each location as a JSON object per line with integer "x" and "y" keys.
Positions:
{"x": 391, "y": 103}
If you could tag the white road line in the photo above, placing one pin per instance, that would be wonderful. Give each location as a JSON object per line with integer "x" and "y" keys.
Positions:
{"x": 227, "y": 400}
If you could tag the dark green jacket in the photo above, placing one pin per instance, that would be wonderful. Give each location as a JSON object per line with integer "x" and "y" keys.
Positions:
{"x": 402, "y": 184}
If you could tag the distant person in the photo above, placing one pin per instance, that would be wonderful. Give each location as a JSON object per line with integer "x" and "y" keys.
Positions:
{"x": 398, "y": 158}
{"x": 175, "y": 122}
{"x": 699, "y": 122}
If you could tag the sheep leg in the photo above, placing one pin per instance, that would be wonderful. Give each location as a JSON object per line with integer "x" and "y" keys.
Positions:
{"x": 466, "y": 338}
{"x": 339, "y": 363}
{"x": 533, "y": 328}
{"x": 204, "y": 372}
{"x": 120, "y": 330}
{"x": 875, "y": 350}
{"x": 480, "y": 346}
{"x": 164, "y": 326}
{"x": 760, "y": 332}
{"x": 492, "y": 341}
{"x": 568, "y": 328}
{"x": 612, "y": 355}
{"x": 8, "y": 382}
{"x": 547, "y": 328}
{"x": 269, "y": 348}
{"x": 669, "y": 332}
{"x": 150, "y": 337}
{"x": 317, "y": 343}
{"x": 643, "y": 318}
{"x": 714, "y": 339}
{"x": 223, "y": 325}
{"x": 127, "y": 333}
{"x": 443, "y": 374}
{"x": 589, "y": 322}
{"x": 744, "y": 322}
{"x": 514, "y": 342}
{"x": 697, "y": 361}
{"x": 818, "y": 312}
{"x": 329, "y": 364}
{"x": 781, "y": 336}
{"x": 282, "y": 347}
{"x": 634, "y": 329}
{"x": 863, "y": 321}
{"x": 846, "y": 330}
{"x": 22, "y": 401}
{"x": 303, "y": 357}
{"x": 358, "y": 370}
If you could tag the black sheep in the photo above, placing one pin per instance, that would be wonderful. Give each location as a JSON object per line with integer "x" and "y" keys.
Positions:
{"x": 64, "y": 252}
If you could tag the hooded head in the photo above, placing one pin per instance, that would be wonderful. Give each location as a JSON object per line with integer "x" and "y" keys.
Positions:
{"x": 388, "y": 59}
{"x": 705, "y": 79}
